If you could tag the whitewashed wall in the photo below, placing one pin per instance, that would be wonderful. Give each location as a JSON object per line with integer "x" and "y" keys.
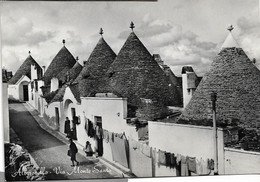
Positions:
{"x": 185, "y": 85}
{"x": 54, "y": 84}
{"x": 31, "y": 100}
{"x": 241, "y": 162}
{"x": 16, "y": 91}
{"x": 113, "y": 112}
{"x": 40, "y": 107}
{"x": 49, "y": 113}
{"x": 23, "y": 81}
{"x": 187, "y": 140}
{"x": 33, "y": 72}
{"x": 69, "y": 102}
{"x": 13, "y": 92}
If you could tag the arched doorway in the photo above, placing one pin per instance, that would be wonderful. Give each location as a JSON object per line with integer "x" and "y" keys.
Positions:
{"x": 23, "y": 91}
{"x": 67, "y": 108}
{"x": 70, "y": 112}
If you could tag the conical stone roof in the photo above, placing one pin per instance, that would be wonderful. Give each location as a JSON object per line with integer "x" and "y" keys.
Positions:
{"x": 75, "y": 70}
{"x": 135, "y": 75}
{"x": 71, "y": 72}
{"x": 25, "y": 69}
{"x": 62, "y": 60}
{"x": 236, "y": 80}
{"x": 230, "y": 42}
{"x": 92, "y": 77}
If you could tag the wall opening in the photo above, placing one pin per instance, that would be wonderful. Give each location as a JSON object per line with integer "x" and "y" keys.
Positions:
{"x": 99, "y": 140}
{"x": 25, "y": 93}
{"x": 57, "y": 117}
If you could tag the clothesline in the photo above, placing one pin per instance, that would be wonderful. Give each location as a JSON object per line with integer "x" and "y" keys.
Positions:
{"x": 184, "y": 165}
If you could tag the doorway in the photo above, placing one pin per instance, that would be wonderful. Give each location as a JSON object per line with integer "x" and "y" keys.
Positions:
{"x": 57, "y": 117}
{"x": 99, "y": 139}
{"x": 74, "y": 123}
{"x": 73, "y": 112}
{"x": 25, "y": 93}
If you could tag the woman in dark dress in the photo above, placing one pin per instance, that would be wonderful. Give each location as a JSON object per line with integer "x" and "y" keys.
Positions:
{"x": 73, "y": 152}
{"x": 67, "y": 127}
{"x": 74, "y": 128}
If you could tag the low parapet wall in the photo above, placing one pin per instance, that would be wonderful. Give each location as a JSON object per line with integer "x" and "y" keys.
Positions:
{"x": 241, "y": 161}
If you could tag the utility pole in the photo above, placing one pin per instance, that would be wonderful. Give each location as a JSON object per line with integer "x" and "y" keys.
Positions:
{"x": 215, "y": 134}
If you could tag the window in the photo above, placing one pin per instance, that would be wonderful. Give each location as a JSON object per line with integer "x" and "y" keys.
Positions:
{"x": 36, "y": 85}
{"x": 60, "y": 83}
{"x": 189, "y": 90}
{"x": 32, "y": 84}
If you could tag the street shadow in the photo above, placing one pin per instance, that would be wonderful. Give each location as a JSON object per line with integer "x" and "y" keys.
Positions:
{"x": 30, "y": 133}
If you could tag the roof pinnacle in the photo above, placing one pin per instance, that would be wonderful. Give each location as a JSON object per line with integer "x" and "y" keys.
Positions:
{"x": 132, "y": 26}
{"x": 63, "y": 41}
{"x": 101, "y": 32}
{"x": 29, "y": 52}
{"x": 230, "y": 28}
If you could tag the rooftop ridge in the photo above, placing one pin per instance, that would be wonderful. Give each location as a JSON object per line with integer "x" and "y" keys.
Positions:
{"x": 25, "y": 69}
{"x": 235, "y": 79}
{"x": 61, "y": 60}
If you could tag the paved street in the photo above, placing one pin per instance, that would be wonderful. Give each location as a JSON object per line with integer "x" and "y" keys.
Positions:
{"x": 50, "y": 153}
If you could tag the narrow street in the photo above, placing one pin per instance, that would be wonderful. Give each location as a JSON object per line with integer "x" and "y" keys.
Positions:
{"x": 50, "y": 153}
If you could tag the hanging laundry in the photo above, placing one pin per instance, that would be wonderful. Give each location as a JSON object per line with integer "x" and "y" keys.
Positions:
{"x": 199, "y": 167}
{"x": 161, "y": 157}
{"x": 173, "y": 162}
{"x": 211, "y": 164}
{"x": 98, "y": 132}
{"x": 178, "y": 158}
{"x": 178, "y": 165}
{"x": 119, "y": 150}
{"x": 140, "y": 164}
{"x": 101, "y": 132}
{"x": 112, "y": 137}
{"x": 106, "y": 136}
{"x": 184, "y": 166}
{"x": 191, "y": 164}
{"x": 86, "y": 123}
{"x": 202, "y": 167}
{"x": 168, "y": 159}
{"x": 120, "y": 135}
{"x": 91, "y": 131}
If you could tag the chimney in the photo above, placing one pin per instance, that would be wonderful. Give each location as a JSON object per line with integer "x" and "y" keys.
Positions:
{"x": 43, "y": 69}
{"x": 189, "y": 78}
{"x": 254, "y": 60}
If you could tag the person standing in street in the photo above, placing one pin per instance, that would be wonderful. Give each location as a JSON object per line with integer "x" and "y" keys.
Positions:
{"x": 73, "y": 151}
{"x": 74, "y": 128}
{"x": 67, "y": 127}
{"x": 88, "y": 149}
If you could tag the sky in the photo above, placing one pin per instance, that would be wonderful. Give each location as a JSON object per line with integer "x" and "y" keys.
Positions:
{"x": 183, "y": 32}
